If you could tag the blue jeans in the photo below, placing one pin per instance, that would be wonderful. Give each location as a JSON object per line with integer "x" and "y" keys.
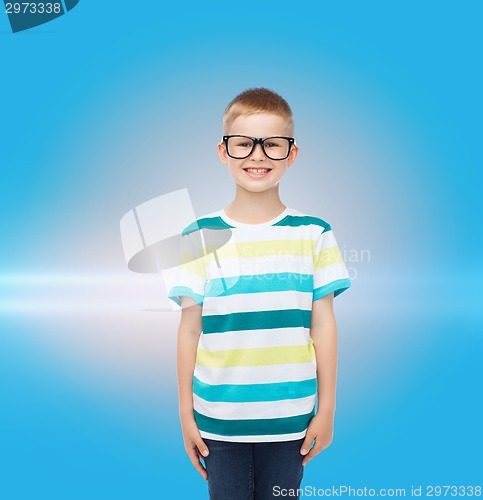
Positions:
{"x": 253, "y": 471}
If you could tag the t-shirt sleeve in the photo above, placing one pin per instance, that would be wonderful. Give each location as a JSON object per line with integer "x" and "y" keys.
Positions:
{"x": 330, "y": 272}
{"x": 189, "y": 277}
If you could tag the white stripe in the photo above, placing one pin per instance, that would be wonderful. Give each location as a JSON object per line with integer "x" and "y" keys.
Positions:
{"x": 270, "y": 233}
{"x": 256, "y": 374}
{"x": 262, "y": 301}
{"x": 254, "y": 439}
{"x": 264, "y": 264}
{"x": 254, "y": 410}
{"x": 255, "y": 338}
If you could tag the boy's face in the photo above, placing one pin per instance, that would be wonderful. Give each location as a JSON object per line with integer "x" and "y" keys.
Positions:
{"x": 258, "y": 125}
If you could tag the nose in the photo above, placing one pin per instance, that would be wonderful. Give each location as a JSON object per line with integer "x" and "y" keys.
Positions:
{"x": 257, "y": 153}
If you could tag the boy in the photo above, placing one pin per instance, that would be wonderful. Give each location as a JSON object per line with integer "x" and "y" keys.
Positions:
{"x": 257, "y": 340}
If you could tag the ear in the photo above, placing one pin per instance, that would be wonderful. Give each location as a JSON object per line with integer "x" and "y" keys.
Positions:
{"x": 222, "y": 153}
{"x": 294, "y": 151}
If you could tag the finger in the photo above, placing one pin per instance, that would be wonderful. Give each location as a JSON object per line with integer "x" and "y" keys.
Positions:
{"x": 195, "y": 460}
{"x": 306, "y": 444}
{"x": 315, "y": 450}
{"x": 203, "y": 449}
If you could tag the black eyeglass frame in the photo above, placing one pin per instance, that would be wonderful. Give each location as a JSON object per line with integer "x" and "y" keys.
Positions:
{"x": 259, "y": 140}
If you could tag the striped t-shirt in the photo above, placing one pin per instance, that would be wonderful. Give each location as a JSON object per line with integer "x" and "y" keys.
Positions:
{"x": 255, "y": 377}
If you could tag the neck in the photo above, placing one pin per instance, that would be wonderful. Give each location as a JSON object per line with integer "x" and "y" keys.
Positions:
{"x": 255, "y": 206}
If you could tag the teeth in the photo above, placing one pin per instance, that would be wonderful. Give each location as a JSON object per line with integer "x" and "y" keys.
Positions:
{"x": 258, "y": 170}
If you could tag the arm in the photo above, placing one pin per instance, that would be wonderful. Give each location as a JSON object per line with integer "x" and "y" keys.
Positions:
{"x": 323, "y": 330}
{"x": 188, "y": 335}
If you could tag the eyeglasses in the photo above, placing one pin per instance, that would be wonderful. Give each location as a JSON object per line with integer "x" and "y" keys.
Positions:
{"x": 242, "y": 146}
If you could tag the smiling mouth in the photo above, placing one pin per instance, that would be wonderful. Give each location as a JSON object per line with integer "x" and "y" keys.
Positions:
{"x": 257, "y": 171}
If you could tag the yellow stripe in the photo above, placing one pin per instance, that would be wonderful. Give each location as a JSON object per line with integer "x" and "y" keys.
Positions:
{"x": 248, "y": 250}
{"x": 256, "y": 357}
{"x": 326, "y": 257}
{"x": 253, "y": 249}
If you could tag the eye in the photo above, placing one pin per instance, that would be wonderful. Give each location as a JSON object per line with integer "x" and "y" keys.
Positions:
{"x": 241, "y": 143}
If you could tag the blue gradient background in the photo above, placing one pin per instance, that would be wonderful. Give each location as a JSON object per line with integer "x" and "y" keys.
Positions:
{"x": 96, "y": 109}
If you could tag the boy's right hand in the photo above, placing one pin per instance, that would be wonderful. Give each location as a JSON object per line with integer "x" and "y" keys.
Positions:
{"x": 194, "y": 445}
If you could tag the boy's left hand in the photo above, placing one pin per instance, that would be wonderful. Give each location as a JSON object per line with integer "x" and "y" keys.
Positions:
{"x": 320, "y": 430}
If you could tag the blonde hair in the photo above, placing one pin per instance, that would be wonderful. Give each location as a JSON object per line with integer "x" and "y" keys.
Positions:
{"x": 257, "y": 100}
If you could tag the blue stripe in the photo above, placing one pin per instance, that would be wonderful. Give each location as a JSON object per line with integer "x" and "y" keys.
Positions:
{"x": 178, "y": 291}
{"x": 213, "y": 223}
{"x": 257, "y": 320}
{"x": 337, "y": 286}
{"x": 246, "y": 393}
{"x": 251, "y": 427}
{"x": 304, "y": 220}
{"x": 257, "y": 283}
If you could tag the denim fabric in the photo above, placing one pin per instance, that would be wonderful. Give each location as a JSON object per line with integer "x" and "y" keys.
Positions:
{"x": 249, "y": 471}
